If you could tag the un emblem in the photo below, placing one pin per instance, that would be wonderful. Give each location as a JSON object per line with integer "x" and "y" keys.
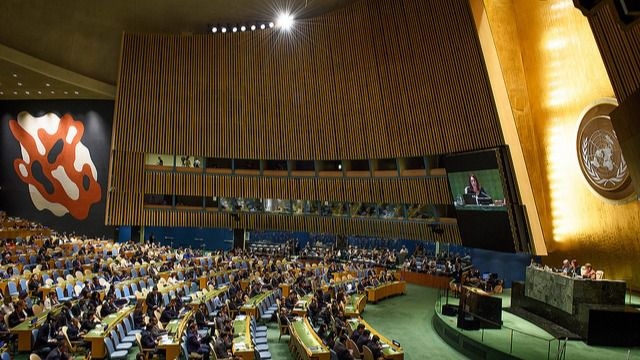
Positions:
{"x": 599, "y": 153}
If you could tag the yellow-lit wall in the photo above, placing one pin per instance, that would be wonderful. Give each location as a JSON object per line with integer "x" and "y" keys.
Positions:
{"x": 552, "y": 71}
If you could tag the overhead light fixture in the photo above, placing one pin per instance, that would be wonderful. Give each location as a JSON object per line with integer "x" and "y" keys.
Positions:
{"x": 235, "y": 29}
{"x": 243, "y": 28}
{"x": 285, "y": 21}
{"x": 262, "y": 26}
{"x": 214, "y": 29}
{"x": 224, "y": 29}
{"x": 271, "y": 24}
{"x": 19, "y": 84}
{"x": 253, "y": 27}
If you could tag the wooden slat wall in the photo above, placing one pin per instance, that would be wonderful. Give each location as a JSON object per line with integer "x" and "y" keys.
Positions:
{"x": 620, "y": 49}
{"x": 390, "y": 71}
{"x": 404, "y": 230}
{"x": 405, "y": 191}
{"x": 377, "y": 79}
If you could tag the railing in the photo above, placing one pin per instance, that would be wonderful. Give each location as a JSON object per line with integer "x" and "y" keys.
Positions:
{"x": 508, "y": 340}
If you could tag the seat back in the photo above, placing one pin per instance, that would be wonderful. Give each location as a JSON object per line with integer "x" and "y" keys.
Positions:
{"x": 367, "y": 353}
{"x": 109, "y": 344}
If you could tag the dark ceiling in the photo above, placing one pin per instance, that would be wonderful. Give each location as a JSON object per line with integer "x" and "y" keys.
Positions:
{"x": 69, "y": 49}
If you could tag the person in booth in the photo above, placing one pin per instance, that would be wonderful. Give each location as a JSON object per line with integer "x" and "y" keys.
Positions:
{"x": 476, "y": 190}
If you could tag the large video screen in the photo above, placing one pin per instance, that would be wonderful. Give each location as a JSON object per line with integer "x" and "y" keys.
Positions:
{"x": 475, "y": 181}
{"x": 477, "y": 184}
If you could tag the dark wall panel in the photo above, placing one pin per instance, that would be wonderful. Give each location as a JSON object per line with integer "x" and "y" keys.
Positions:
{"x": 76, "y": 204}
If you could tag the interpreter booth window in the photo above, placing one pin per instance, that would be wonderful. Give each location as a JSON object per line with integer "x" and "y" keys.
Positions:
{"x": 218, "y": 165}
{"x": 188, "y": 163}
{"x": 189, "y": 201}
{"x": 420, "y": 212}
{"x": 250, "y": 205}
{"x": 159, "y": 161}
{"x": 391, "y": 211}
{"x": 339, "y": 208}
{"x": 229, "y": 204}
{"x": 304, "y": 207}
{"x": 364, "y": 210}
{"x": 158, "y": 200}
{"x": 211, "y": 203}
{"x": 279, "y": 206}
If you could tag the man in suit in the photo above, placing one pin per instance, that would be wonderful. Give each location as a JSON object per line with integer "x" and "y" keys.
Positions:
{"x": 59, "y": 353}
{"x": 154, "y": 299}
{"x": 363, "y": 339}
{"x": 194, "y": 345}
{"x": 357, "y": 332}
{"x": 341, "y": 350}
{"x": 220, "y": 346}
{"x": 375, "y": 347}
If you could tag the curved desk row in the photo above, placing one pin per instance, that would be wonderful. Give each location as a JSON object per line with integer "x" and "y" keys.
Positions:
{"x": 375, "y": 294}
{"x": 242, "y": 345}
{"x": 305, "y": 342}
{"x": 355, "y": 305}
{"x": 170, "y": 343}
{"x": 389, "y": 349}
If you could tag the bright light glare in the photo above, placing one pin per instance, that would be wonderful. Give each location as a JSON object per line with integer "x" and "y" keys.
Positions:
{"x": 285, "y": 21}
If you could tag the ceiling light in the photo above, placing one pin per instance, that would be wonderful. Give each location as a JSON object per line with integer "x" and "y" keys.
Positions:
{"x": 224, "y": 29}
{"x": 15, "y": 75}
{"x": 253, "y": 27}
{"x": 1, "y": 92}
{"x": 271, "y": 24}
{"x": 39, "y": 92}
{"x": 53, "y": 92}
{"x": 243, "y": 28}
{"x": 214, "y": 29}
{"x": 262, "y": 26}
{"x": 66, "y": 93}
{"x": 76, "y": 92}
{"x": 47, "y": 84}
{"x": 234, "y": 29}
{"x": 19, "y": 84}
{"x": 285, "y": 21}
{"x": 27, "y": 92}
{"x": 15, "y": 93}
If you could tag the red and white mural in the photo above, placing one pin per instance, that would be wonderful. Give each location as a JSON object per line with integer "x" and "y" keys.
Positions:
{"x": 55, "y": 164}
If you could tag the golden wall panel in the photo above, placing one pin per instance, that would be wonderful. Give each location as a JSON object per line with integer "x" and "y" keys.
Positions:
{"x": 553, "y": 75}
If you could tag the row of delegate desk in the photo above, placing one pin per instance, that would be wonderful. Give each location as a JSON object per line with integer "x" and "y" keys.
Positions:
{"x": 304, "y": 341}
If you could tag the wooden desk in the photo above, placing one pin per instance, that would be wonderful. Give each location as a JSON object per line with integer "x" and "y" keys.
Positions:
{"x": 208, "y": 295}
{"x": 306, "y": 341}
{"x": 389, "y": 350}
{"x": 251, "y": 307}
{"x": 375, "y": 294}
{"x": 355, "y": 305}
{"x": 97, "y": 335}
{"x": 242, "y": 346}
{"x": 23, "y": 330}
{"x": 171, "y": 343}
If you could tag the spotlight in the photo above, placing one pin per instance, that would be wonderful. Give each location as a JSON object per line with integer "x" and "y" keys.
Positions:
{"x": 234, "y": 29}
{"x": 243, "y": 28}
{"x": 262, "y": 26}
{"x": 253, "y": 27}
{"x": 224, "y": 29}
{"x": 214, "y": 29}
{"x": 285, "y": 21}
{"x": 271, "y": 24}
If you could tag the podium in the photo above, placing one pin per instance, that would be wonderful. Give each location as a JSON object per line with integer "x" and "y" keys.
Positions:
{"x": 479, "y": 310}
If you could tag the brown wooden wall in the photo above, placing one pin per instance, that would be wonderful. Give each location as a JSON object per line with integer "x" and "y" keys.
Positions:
{"x": 378, "y": 79}
{"x": 619, "y": 45}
